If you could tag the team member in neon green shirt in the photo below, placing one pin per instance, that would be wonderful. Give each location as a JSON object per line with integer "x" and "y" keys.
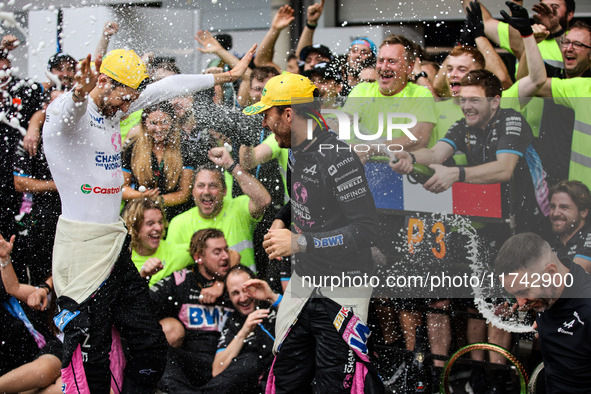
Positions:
{"x": 154, "y": 258}
{"x": 394, "y": 64}
{"x": 575, "y": 93}
{"x": 554, "y": 15}
{"x": 236, "y": 217}
{"x": 269, "y": 149}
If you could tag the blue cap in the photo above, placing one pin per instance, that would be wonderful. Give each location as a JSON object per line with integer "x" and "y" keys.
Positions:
{"x": 367, "y": 42}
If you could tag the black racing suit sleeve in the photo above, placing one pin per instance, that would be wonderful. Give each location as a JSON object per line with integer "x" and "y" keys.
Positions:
{"x": 356, "y": 205}
{"x": 284, "y": 214}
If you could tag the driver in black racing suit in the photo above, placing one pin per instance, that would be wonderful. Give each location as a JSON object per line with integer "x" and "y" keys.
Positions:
{"x": 321, "y": 333}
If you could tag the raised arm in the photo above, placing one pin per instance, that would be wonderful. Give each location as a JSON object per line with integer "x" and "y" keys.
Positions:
{"x": 109, "y": 30}
{"x": 183, "y": 84}
{"x": 211, "y": 45}
{"x": 9, "y": 43}
{"x": 533, "y": 81}
{"x": 493, "y": 61}
{"x": 490, "y": 23}
{"x": 548, "y": 17}
{"x": 20, "y": 291}
{"x": 259, "y": 196}
{"x": 250, "y": 156}
{"x": 281, "y": 20}
{"x": 307, "y": 37}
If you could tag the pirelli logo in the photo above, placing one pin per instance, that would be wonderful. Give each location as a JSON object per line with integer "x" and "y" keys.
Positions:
{"x": 349, "y": 184}
{"x": 340, "y": 318}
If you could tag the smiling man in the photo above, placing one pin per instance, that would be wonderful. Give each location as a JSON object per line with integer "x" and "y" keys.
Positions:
{"x": 562, "y": 299}
{"x": 96, "y": 282}
{"x": 496, "y": 142}
{"x": 394, "y": 65}
{"x": 331, "y": 231}
{"x": 570, "y": 202}
{"x": 244, "y": 350}
{"x": 236, "y": 217}
{"x": 180, "y": 296}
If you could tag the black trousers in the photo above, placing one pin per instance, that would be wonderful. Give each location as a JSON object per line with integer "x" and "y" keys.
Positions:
{"x": 314, "y": 351}
{"x": 122, "y": 301}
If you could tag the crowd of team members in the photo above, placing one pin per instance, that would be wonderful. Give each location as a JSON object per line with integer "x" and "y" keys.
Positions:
{"x": 197, "y": 223}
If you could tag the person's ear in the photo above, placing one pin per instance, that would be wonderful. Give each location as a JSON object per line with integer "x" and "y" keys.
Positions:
{"x": 103, "y": 81}
{"x": 496, "y": 101}
{"x": 551, "y": 269}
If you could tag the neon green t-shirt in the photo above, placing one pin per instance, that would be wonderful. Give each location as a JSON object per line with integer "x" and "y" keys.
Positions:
{"x": 130, "y": 121}
{"x": 234, "y": 220}
{"x": 366, "y": 100}
{"x": 174, "y": 257}
{"x": 575, "y": 93}
{"x": 282, "y": 156}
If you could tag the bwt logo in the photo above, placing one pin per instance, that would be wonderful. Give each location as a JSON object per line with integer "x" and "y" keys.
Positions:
{"x": 344, "y": 120}
{"x": 98, "y": 120}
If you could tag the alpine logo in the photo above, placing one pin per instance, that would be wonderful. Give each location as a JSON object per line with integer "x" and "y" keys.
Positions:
{"x": 310, "y": 170}
{"x": 87, "y": 189}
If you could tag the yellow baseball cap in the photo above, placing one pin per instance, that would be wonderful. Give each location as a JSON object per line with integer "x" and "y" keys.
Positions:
{"x": 125, "y": 67}
{"x": 284, "y": 89}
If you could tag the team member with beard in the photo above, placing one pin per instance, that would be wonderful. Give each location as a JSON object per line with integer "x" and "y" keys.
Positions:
{"x": 332, "y": 231}
{"x": 179, "y": 296}
{"x": 97, "y": 285}
{"x": 570, "y": 202}
{"x": 497, "y": 143}
{"x": 236, "y": 217}
{"x": 574, "y": 93}
{"x": 563, "y": 306}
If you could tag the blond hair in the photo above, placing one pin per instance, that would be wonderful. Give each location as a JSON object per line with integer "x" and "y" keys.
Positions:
{"x": 141, "y": 156}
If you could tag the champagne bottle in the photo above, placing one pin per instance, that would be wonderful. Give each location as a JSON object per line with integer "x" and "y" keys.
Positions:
{"x": 419, "y": 374}
{"x": 420, "y": 172}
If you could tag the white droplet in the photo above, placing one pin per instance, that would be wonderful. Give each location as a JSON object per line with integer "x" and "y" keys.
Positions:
{"x": 141, "y": 189}
{"x": 227, "y": 147}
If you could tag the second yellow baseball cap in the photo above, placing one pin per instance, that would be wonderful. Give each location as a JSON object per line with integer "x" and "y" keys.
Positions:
{"x": 284, "y": 89}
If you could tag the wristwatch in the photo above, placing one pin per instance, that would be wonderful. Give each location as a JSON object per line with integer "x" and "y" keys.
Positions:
{"x": 302, "y": 243}
{"x": 421, "y": 74}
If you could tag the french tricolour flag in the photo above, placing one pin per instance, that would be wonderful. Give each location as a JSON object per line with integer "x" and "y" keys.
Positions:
{"x": 393, "y": 191}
